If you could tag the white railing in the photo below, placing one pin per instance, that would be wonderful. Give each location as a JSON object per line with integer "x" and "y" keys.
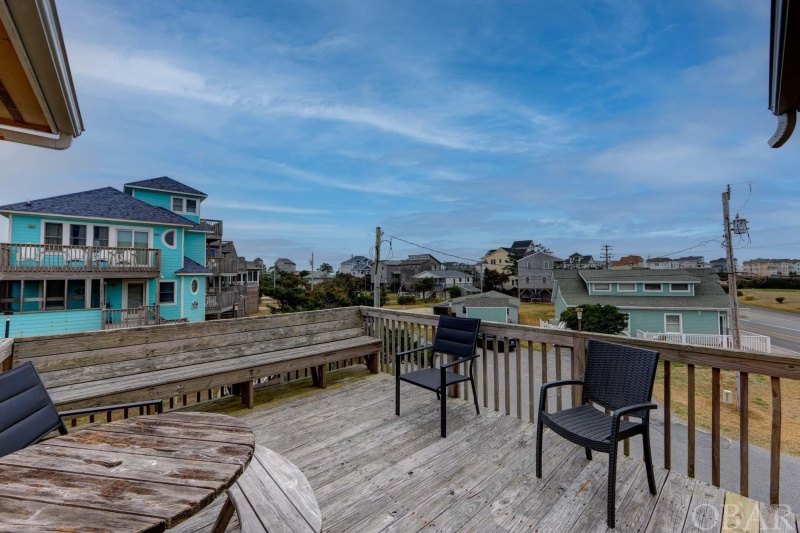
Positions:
{"x": 751, "y": 342}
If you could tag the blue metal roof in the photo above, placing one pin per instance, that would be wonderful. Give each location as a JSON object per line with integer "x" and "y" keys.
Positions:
{"x": 107, "y": 203}
{"x": 193, "y": 267}
{"x": 165, "y": 183}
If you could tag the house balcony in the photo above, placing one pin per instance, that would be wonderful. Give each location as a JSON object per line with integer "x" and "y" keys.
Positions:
{"x": 135, "y": 317}
{"x": 51, "y": 261}
{"x": 751, "y": 342}
{"x": 225, "y": 266}
{"x": 224, "y": 300}
{"x": 215, "y": 226}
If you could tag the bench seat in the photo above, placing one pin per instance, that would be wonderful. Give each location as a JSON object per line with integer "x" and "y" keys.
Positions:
{"x": 202, "y": 376}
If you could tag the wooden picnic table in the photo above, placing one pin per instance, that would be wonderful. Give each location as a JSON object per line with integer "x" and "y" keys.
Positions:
{"x": 141, "y": 474}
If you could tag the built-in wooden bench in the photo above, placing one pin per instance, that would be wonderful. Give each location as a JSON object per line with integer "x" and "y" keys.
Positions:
{"x": 118, "y": 366}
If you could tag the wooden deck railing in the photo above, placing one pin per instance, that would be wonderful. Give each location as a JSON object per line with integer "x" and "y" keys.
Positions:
{"x": 509, "y": 378}
{"x": 45, "y": 258}
{"x": 135, "y": 317}
{"x": 225, "y": 265}
{"x": 214, "y": 225}
{"x": 225, "y": 299}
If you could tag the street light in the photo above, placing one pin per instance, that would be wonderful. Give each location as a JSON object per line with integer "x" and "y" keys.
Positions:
{"x": 579, "y": 311}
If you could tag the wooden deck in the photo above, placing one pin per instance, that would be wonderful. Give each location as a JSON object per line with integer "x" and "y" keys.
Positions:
{"x": 373, "y": 471}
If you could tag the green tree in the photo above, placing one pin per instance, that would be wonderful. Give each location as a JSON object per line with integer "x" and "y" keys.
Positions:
{"x": 425, "y": 285}
{"x": 454, "y": 291}
{"x": 596, "y": 318}
{"x": 511, "y": 267}
{"x": 326, "y": 269}
{"x": 289, "y": 290}
{"x": 542, "y": 248}
{"x": 494, "y": 280}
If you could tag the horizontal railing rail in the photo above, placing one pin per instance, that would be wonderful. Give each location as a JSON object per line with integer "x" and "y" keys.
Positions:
{"x": 214, "y": 225}
{"x": 226, "y": 298}
{"x": 509, "y": 377}
{"x": 39, "y": 258}
{"x": 135, "y": 317}
{"x": 225, "y": 265}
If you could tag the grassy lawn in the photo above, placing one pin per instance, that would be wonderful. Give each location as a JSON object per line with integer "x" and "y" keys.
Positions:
{"x": 531, "y": 313}
{"x": 760, "y": 406}
{"x": 766, "y": 298}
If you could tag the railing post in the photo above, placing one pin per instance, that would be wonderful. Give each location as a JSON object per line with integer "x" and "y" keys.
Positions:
{"x": 578, "y": 367}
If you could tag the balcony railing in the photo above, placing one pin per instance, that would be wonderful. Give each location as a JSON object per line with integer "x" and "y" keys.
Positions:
{"x": 226, "y": 265}
{"x": 751, "y": 342}
{"x": 509, "y": 379}
{"x": 57, "y": 258}
{"x": 135, "y": 317}
{"x": 225, "y": 299}
{"x": 214, "y": 225}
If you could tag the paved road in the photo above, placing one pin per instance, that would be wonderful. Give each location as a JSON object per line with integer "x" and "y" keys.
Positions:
{"x": 783, "y": 328}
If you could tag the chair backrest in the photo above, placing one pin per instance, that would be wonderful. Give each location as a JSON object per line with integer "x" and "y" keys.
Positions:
{"x": 456, "y": 336}
{"x": 27, "y": 413}
{"x": 617, "y": 375}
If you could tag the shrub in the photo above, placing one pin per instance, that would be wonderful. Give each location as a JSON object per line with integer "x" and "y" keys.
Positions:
{"x": 404, "y": 300}
{"x": 739, "y": 293}
{"x": 597, "y": 318}
{"x": 455, "y": 291}
{"x": 780, "y": 299}
{"x": 749, "y": 298}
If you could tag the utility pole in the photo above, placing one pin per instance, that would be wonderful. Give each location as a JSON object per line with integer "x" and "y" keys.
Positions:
{"x": 607, "y": 256}
{"x": 376, "y": 278}
{"x": 312, "y": 270}
{"x": 726, "y": 218}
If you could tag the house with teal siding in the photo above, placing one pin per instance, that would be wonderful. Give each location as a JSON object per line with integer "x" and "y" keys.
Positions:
{"x": 676, "y": 301}
{"x": 105, "y": 259}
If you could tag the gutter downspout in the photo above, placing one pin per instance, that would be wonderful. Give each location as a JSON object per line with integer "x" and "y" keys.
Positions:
{"x": 62, "y": 142}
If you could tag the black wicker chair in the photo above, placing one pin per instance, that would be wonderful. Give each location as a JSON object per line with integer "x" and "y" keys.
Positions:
{"x": 27, "y": 413}
{"x": 618, "y": 378}
{"x": 456, "y": 337}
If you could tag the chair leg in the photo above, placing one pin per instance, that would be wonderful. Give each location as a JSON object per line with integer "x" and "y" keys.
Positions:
{"x": 475, "y": 396}
{"x": 588, "y": 454}
{"x": 648, "y": 460}
{"x": 539, "y": 428}
{"x": 443, "y": 397}
{"x": 612, "y": 485}
{"x": 397, "y": 395}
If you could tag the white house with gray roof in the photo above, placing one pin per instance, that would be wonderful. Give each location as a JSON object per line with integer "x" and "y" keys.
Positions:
{"x": 491, "y": 306}
{"x": 445, "y": 279}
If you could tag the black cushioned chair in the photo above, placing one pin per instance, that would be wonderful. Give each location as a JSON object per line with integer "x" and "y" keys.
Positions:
{"x": 620, "y": 379}
{"x": 27, "y": 413}
{"x": 456, "y": 337}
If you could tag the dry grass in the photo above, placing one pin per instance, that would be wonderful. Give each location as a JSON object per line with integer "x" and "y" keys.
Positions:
{"x": 766, "y": 298}
{"x": 531, "y": 313}
{"x": 760, "y": 419}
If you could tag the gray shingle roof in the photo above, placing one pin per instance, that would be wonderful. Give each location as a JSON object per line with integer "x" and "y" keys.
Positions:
{"x": 165, "y": 183}
{"x": 193, "y": 267}
{"x": 677, "y": 275}
{"x": 108, "y": 203}
{"x": 491, "y": 295}
{"x": 448, "y": 273}
{"x": 708, "y": 293}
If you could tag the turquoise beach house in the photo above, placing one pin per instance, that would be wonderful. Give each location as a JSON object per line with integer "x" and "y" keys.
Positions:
{"x": 105, "y": 258}
{"x": 664, "y": 304}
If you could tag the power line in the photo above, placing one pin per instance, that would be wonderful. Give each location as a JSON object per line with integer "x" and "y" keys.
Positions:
{"x": 432, "y": 250}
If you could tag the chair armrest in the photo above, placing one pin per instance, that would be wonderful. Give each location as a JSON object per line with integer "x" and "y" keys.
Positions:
{"x": 550, "y": 385}
{"x": 91, "y": 410}
{"x": 622, "y": 411}
{"x": 459, "y": 360}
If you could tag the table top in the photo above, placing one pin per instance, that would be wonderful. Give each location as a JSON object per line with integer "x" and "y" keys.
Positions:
{"x": 141, "y": 474}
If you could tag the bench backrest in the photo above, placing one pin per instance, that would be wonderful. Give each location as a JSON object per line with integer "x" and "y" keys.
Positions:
{"x": 82, "y": 357}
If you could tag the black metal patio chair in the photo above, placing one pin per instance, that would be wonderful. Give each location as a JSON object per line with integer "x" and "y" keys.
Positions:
{"x": 27, "y": 414}
{"x": 617, "y": 378}
{"x": 456, "y": 337}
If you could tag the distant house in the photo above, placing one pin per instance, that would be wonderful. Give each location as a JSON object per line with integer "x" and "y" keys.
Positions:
{"x": 399, "y": 274}
{"x": 628, "y": 262}
{"x": 287, "y": 265}
{"x": 679, "y": 301}
{"x": 260, "y": 263}
{"x": 692, "y": 261}
{"x": 720, "y": 265}
{"x": 577, "y": 261}
{"x": 358, "y": 266}
{"x": 771, "y": 267}
{"x": 491, "y": 306}
{"x": 661, "y": 263}
{"x": 535, "y": 273}
{"x": 523, "y": 248}
{"x": 445, "y": 279}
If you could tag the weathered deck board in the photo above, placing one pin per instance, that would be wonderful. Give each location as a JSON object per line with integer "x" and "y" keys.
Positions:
{"x": 374, "y": 471}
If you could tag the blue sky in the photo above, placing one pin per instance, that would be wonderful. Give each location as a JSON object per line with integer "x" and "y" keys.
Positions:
{"x": 461, "y": 126}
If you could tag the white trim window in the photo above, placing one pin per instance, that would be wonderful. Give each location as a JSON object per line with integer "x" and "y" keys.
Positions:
{"x": 653, "y": 287}
{"x": 626, "y": 287}
{"x": 167, "y": 291}
{"x": 170, "y": 238}
{"x": 184, "y": 205}
{"x": 546, "y": 265}
{"x": 194, "y": 286}
{"x": 601, "y": 287}
{"x": 673, "y": 323}
{"x": 53, "y": 233}
{"x": 679, "y": 287}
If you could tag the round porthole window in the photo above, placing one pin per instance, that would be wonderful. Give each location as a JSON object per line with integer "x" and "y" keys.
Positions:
{"x": 168, "y": 238}
{"x": 195, "y": 286}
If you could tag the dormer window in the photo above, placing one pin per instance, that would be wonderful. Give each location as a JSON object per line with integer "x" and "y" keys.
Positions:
{"x": 652, "y": 287}
{"x": 682, "y": 287}
{"x": 184, "y": 205}
{"x": 602, "y": 287}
